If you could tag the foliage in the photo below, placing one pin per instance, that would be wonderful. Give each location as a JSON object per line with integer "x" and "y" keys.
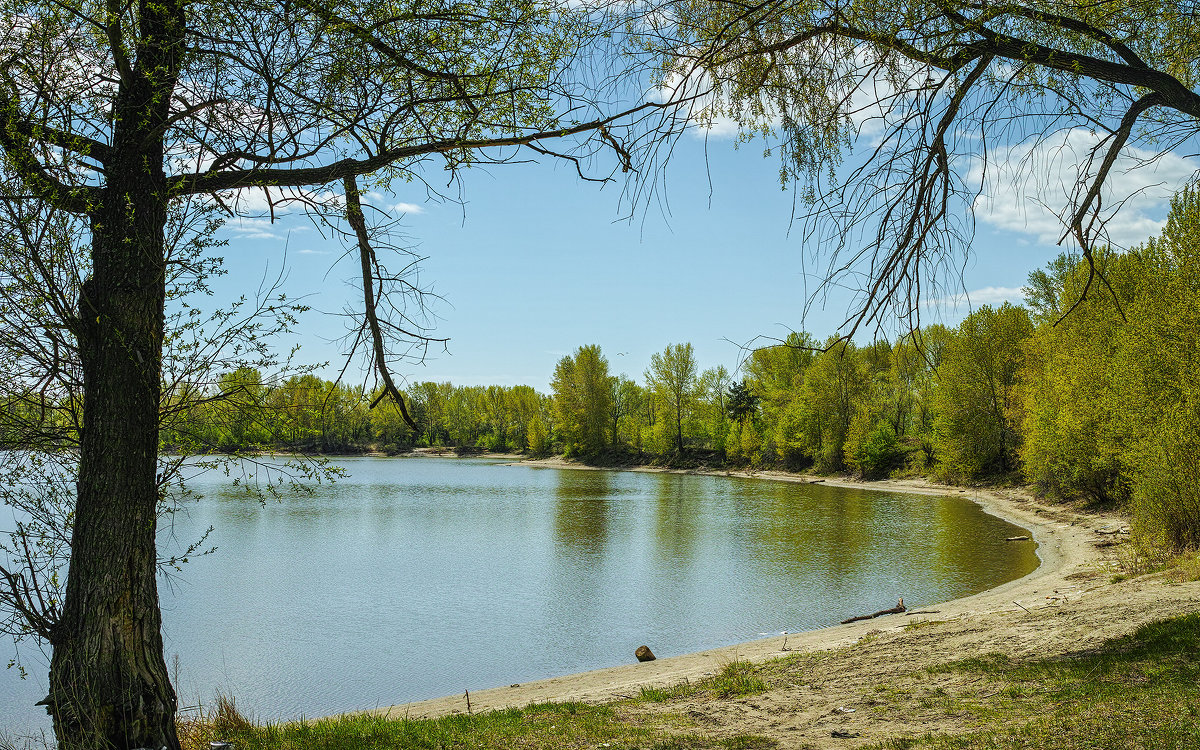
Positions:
{"x": 583, "y": 400}
{"x": 1072, "y": 445}
{"x": 1110, "y": 389}
{"x": 1157, "y": 393}
{"x": 741, "y": 402}
{"x": 672, "y": 379}
{"x": 893, "y": 116}
{"x": 876, "y": 454}
{"x": 975, "y": 429}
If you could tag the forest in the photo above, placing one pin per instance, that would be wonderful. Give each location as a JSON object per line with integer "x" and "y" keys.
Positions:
{"x": 1086, "y": 391}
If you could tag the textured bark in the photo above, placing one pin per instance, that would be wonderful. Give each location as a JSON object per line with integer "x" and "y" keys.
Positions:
{"x": 109, "y": 686}
{"x": 108, "y": 680}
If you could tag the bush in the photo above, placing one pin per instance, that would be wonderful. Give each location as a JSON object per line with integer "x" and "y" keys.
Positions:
{"x": 879, "y": 453}
{"x": 1166, "y": 488}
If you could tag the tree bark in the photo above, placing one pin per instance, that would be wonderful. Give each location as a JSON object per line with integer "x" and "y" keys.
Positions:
{"x": 108, "y": 679}
{"x": 109, "y": 686}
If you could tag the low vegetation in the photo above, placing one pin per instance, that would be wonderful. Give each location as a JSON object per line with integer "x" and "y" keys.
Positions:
{"x": 736, "y": 679}
{"x": 1139, "y": 691}
{"x": 552, "y": 725}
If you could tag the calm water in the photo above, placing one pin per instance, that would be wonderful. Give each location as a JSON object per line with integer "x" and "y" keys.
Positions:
{"x": 415, "y": 578}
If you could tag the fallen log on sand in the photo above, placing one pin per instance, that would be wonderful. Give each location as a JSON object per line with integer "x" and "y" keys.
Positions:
{"x": 898, "y": 609}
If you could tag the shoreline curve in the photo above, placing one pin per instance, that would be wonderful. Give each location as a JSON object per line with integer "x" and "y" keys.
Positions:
{"x": 1066, "y": 550}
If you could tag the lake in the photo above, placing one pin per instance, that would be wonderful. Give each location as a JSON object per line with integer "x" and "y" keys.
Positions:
{"x": 415, "y": 578}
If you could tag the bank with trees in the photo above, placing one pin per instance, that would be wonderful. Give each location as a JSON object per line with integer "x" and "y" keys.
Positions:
{"x": 1084, "y": 391}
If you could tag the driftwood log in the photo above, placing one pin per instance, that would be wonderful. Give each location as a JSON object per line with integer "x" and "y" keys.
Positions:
{"x": 898, "y": 609}
{"x": 644, "y": 653}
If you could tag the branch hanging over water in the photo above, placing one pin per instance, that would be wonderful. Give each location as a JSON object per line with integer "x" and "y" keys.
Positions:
{"x": 354, "y": 215}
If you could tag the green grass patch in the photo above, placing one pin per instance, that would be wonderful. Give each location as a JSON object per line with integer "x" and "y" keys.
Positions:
{"x": 548, "y": 726}
{"x": 736, "y": 679}
{"x": 1141, "y": 691}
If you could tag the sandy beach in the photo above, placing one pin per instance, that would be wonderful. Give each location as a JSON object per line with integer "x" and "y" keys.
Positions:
{"x": 1070, "y": 602}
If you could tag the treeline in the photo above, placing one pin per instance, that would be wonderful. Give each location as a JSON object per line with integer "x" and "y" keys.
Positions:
{"x": 307, "y": 414}
{"x": 1089, "y": 390}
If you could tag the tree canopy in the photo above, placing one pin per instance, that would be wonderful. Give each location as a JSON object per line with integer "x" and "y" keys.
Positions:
{"x": 892, "y": 114}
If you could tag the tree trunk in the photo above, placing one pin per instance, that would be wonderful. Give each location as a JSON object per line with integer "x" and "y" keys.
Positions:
{"x": 108, "y": 679}
{"x": 109, "y": 686}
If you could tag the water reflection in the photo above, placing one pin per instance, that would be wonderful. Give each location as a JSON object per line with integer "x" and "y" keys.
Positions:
{"x": 417, "y": 578}
{"x": 677, "y": 519}
{"x": 581, "y": 514}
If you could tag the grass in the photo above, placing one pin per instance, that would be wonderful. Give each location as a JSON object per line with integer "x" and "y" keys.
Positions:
{"x": 1134, "y": 560}
{"x": 537, "y": 727}
{"x": 1141, "y": 691}
{"x": 736, "y": 679}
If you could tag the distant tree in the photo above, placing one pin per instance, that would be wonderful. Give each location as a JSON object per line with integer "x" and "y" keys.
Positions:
{"x": 740, "y": 402}
{"x": 583, "y": 399}
{"x": 672, "y": 379}
{"x": 626, "y": 397}
{"x": 835, "y": 388}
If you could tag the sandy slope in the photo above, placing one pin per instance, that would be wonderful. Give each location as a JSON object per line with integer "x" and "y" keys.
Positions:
{"x": 1068, "y": 603}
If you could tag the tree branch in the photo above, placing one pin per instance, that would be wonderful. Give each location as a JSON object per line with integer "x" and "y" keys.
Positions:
{"x": 213, "y": 181}
{"x": 354, "y": 215}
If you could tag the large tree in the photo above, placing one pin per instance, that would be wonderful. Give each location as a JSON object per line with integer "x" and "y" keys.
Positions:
{"x": 583, "y": 400}
{"x": 114, "y": 112}
{"x": 672, "y": 379}
{"x": 893, "y": 115}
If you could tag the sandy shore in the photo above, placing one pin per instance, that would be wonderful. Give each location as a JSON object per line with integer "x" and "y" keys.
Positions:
{"x": 1070, "y": 599}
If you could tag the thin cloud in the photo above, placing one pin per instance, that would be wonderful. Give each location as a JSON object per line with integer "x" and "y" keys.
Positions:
{"x": 1025, "y": 185}
{"x": 988, "y": 295}
{"x": 244, "y": 227}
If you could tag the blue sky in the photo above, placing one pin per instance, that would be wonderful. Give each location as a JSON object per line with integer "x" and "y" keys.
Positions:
{"x": 537, "y": 262}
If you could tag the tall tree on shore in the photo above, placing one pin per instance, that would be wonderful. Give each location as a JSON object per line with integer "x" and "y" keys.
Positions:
{"x": 976, "y": 428}
{"x": 672, "y": 378}
{"x": 583, "y": 400}
{"x": 115, "y": 112}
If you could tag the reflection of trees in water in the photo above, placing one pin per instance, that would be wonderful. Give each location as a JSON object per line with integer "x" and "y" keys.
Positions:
{"x": 706, "y": 531}
{"x": 677, "y": 510}
{"x": 582, "y": 509}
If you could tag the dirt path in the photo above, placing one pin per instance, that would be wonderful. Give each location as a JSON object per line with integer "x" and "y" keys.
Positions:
{"x": 1068, "y": 603}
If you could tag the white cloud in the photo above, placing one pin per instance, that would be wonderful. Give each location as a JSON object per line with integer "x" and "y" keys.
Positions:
{"x": 245, "y": 227}
{"x": 310, "y": 251}
{"x": 1024, "y": 186}
{"x": 407, "y": 208}
{"x": 988, "y": 295}
{"x": 697, "y": 104}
